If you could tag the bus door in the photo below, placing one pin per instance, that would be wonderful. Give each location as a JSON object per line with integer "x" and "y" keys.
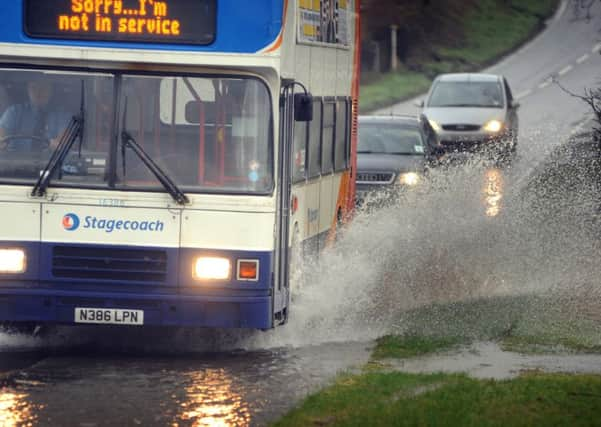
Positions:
{"x": 282, "y": 290}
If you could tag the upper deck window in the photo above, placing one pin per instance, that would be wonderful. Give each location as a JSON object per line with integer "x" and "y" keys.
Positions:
{"x": 153, "y": 21}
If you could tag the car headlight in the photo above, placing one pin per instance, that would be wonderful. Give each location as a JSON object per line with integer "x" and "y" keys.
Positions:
{"x": 434, "y": 125}
{"x": 12, "y": 261}
{"x": 493, "y": 126}
{"x": 212, "y": 268}
{"x": 409, "y": 178}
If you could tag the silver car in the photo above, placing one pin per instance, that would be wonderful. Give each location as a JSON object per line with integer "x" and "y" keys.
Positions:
{"x": 472, "y": 111}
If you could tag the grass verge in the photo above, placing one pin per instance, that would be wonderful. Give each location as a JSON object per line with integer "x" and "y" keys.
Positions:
{"x": 490, "y": 30}
{"x": 385, "y": 399}
{"x": 526, "y": 323}
{"x": 393, "y": 346}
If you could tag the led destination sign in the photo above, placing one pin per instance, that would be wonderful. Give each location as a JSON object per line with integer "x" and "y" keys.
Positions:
{"x": 156, "y": 21}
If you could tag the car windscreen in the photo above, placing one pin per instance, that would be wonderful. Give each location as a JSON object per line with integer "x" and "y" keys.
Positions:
{"x": 390, "y": 138}
{"x": 466, "y": 94}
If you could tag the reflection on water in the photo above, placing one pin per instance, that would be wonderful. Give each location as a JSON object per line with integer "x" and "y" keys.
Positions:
{"x": 211, "y": 401}
{"x": 14, "y": 410}
{"x": 493, "y": 192}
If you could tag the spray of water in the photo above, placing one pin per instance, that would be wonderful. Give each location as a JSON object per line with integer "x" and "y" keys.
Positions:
{"x": 471, "y": 250}
{"x": 476, "y": 250}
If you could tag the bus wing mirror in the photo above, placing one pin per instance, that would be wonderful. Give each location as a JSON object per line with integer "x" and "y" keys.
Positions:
{"x": 303, "y": 107}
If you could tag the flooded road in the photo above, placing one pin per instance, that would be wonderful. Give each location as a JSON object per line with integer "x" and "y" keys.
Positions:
{"x": 487, "y": 360}
{"x": 87, "y": 387}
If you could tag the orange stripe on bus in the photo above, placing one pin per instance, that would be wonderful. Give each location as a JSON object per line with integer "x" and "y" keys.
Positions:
{"x": 280, "y": 38}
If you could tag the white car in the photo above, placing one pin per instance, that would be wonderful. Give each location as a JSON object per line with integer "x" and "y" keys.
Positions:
{"x": 472, "y": 111}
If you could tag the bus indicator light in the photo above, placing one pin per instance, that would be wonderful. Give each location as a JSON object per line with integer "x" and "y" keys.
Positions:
{"x": 248, "y": 269}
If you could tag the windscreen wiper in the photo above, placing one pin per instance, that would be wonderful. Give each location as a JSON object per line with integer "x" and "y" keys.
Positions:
{"x": 128, "y": 141}
{"x": 74, "y": 130}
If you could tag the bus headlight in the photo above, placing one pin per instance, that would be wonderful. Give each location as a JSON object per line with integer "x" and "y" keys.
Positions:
{"x": 212, "y": 268}
{"x": 409, "y": 178}
{"x": 12, "y": 261}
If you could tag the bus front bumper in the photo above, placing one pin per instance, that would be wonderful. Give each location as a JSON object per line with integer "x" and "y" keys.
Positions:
{"x": 44, "y": 306}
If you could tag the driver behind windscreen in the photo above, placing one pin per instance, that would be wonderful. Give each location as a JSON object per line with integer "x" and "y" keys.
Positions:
{"x": 34, "y": 125}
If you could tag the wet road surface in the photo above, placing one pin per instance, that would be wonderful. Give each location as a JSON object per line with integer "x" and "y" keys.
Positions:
{"x": 80, "y": 388}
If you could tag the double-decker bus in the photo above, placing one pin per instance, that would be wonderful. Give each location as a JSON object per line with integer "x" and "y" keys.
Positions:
{"x": 160, "y": 160}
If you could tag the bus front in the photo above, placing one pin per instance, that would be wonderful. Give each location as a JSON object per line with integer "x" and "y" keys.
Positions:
{"x": 137, "y": 163}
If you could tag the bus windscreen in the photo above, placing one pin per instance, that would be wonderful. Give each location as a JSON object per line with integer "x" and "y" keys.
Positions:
{"x": 150, "y": 21}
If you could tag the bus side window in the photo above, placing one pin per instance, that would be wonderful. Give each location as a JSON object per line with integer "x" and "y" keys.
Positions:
{"x": 341, "y": 132}
{"x": 351, "y": 126}
{"x": 299, "y": 170}
{"x": 327, "y": 141}
{"x": 314, "y": 151}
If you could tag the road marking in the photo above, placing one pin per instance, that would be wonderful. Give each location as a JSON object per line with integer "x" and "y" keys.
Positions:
{"x": 545, "y": 83}
{"x": 561, "y": 10}
{"x": 524, "y": 94}
{"x": 597, "y": 48}
{"x": 565, "y": 70}
{"x": 583, "y": 58}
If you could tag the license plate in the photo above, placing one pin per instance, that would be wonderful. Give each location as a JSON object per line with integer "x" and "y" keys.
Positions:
{"x": 112, "y": 316}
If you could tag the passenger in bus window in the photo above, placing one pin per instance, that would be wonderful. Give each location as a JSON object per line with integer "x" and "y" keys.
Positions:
{"x": 33, "y": 125}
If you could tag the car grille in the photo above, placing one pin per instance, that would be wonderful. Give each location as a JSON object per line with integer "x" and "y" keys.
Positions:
{"x": 460, "y": 144}
{"x": 129, "y": 265}
{"x": 375, "y": 177}
{"x": 461, "y": 128}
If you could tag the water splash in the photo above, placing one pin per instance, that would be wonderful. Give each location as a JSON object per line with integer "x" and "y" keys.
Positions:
{"x": 469, "y": 232}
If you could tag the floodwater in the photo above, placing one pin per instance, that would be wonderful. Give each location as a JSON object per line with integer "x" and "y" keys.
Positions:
{"x": 487, "y": 360}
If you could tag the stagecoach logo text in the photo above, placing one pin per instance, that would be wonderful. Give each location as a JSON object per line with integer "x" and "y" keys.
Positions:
{"x": 71, "y": 222}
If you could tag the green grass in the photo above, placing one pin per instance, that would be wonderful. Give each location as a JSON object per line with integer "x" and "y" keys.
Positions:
{"x": 392, "y": 86}
{"x": 525, "y": 323}
{"x": 392, "y": 346}
{"x": 400, "y": 399}
{"x": 490, "y": 30}
{"x": 547, "y": 343}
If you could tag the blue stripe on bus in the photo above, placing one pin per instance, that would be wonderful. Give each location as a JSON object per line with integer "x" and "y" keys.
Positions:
{"x": 62, "y": 276}
{"x": 240, "y": 29}
{"x": 56, "y": 306}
